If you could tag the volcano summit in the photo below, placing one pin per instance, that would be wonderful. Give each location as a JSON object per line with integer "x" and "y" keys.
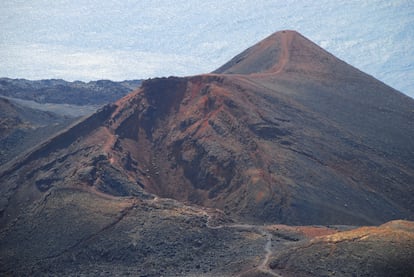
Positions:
{"x": 179, "y": 177}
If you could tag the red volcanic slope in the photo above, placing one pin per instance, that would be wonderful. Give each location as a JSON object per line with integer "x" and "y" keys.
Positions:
{"x": 284, "y": 132}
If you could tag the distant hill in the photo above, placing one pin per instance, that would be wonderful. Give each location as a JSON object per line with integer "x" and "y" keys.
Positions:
{"x": 22, "y": 127}
{"x": 63, "y": 92}
{"x": 31, "y": 111}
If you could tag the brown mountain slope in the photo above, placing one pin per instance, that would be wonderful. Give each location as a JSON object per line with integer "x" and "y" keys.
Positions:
{"x": 307, "y": 140}
{"x": 268, "y": 56}
{"x": 293, "y": 136}
{"x": 287, "y": 52}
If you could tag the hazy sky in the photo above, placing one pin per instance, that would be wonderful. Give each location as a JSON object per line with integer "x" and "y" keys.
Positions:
{"x": 98, "y": 39}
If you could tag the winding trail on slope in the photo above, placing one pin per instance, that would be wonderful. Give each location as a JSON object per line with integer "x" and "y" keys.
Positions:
{"x": 267, "y": 248}
{"x": 286, "y": 40}
{"x": 283, "y": 61}
{"x": 260, "y": 229}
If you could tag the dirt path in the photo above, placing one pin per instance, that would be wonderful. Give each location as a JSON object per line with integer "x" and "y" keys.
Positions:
{"x": 284, "y": 57}
{"x": 267, "y": 248}
{"x": 268, "y": 252}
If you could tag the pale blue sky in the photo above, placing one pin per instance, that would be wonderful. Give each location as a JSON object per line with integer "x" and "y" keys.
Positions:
{"x": 89, "y": 40}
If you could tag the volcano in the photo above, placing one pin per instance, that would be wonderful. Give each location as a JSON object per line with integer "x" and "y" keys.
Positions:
{"x": 284, "y": 133}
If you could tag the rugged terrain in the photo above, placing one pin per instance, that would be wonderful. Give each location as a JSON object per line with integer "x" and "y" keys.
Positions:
{"x": 201, "y": 175}
{"x": 22, "y": 127}
{"x": 32, "y": 111}
{"x": 62, "y": 92}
